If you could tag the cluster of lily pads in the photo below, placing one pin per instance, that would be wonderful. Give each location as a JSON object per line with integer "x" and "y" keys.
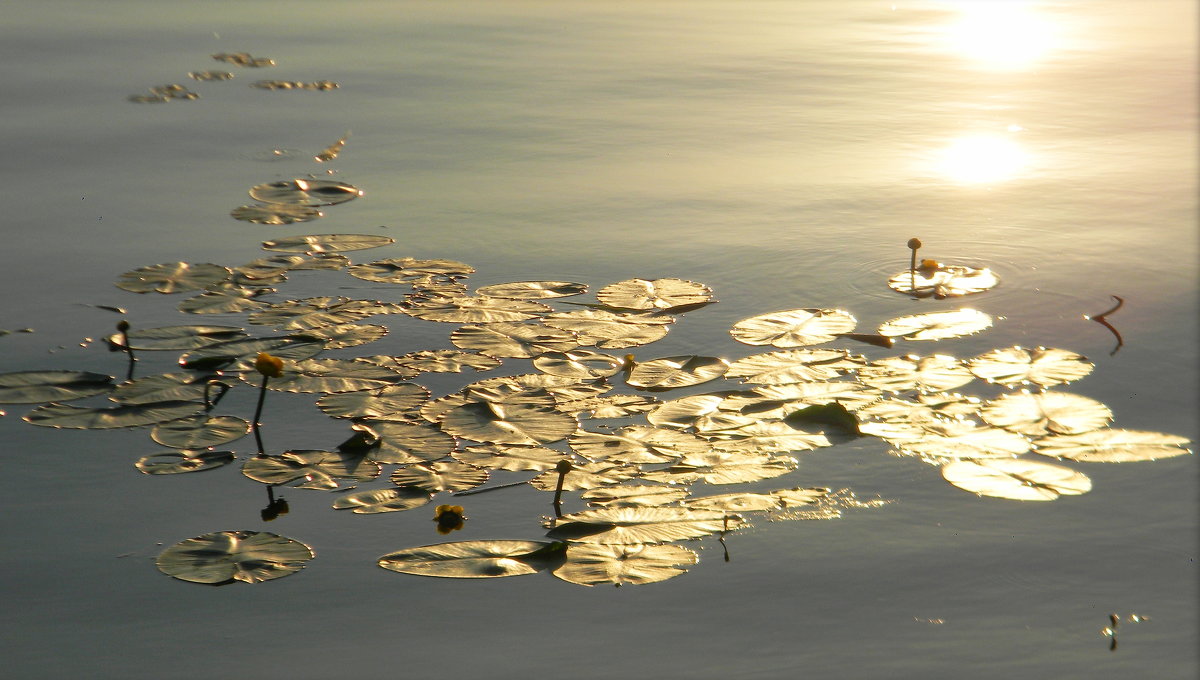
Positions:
{"x": 160, "y": 94}
{"x": 586, "y": 417}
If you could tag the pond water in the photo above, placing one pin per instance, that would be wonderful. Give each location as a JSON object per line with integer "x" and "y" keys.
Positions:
{"x": 780, "y": 152}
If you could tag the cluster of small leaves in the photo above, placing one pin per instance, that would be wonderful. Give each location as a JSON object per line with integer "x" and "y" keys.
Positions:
{"x": 637, "y": 474}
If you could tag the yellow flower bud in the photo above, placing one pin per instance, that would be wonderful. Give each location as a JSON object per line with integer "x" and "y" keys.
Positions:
{"x": 270, "y": 366}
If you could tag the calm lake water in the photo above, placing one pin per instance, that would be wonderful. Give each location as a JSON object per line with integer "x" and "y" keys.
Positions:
{"x": 780, "y": 152}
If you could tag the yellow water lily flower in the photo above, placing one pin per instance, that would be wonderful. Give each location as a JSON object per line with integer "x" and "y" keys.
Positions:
{"x": 270, "y": 366}
{"x": 449, "y": 518}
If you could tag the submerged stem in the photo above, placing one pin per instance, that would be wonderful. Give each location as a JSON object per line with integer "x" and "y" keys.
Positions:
{"x": 262, "y": 396}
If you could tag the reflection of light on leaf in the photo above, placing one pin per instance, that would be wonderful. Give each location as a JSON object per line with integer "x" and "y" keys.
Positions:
{"x": 1019, "y": 480}
{"x": 228, "y": 556}
{"x": 590, "y": 565}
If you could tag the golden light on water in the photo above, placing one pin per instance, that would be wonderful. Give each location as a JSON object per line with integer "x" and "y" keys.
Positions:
{"x": 1001, "y": 35}
{"x": 984, "y": 158}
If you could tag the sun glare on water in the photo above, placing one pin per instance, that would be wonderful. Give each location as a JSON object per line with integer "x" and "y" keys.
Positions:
{"x": 981, "y": 159}
{"x": 1006, "y": 35}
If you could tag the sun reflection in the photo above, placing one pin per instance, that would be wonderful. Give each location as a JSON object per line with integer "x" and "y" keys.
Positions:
{"x": 979, "y": 159}
{"x": 1005, "y": 34}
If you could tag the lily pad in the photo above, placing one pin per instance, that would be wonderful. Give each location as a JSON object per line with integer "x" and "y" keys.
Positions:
{"x": 527, "y": 424}
{"x": 654, "y": 294}
{"x": 275, "y": 213}
{"x": 227, "y": 301}
{"x": 759, "y": 502}
{"x": 724, "y": 467}
{"x": 637, "y": 525}
{"x": 943, "y": 281}
{"x": 227, "y": 556}
{"x": 637, "y": 444}
{"x": 470, "y": 559}
{"x": 176, "y": 337}
{"x": 407, "y": 442}
{"x": 794, "y": 327}
{"x": 305, "y": 192}
{"x": 591, "y": 565}
{"x": 533, "y": 290}
{"x": 327, "y": 243}
{"x": 447, "y": 361}
{"x": 328, "y": 375}
{"x": 200, "y": 431}
{"x": 172, "y": 277}
{"x": 316, "y": 311}
{"x": 239, "y": 355}
{"x": 616, "y": 406}
{"x": 35, "y": 387}
{"x": 579, "y": 363}
{"x": 1019, "y": 480}
{"x": 701, "y": 412}
{"x": 778, "y": 401}
{"x": 1041, "y": 366}
{"x": 378, "y": 501}
{"x": 792, "y": 366}
{"x": 163, "y": 387}
{"x": 346, "y": 335}
{"x": 935, "y": 373}
{"x": 126, "y": 415}
{"x": 179, "y": 462}
{"x": 587, "y": 476}
{"x": 516, "y": 340}
{"x": 964, "y": 439}
{"x": 952, "y": 323}
{"x": 678, "y": 371}
{"x": 634, "y": 495}
{"x": 440, "y": 476}
{"x": 516, "y": 458}
{"x": 1046, "y": 413}
{"x": 410, "y": 270}
{"x": 1113, "y": 446}
{"x": 608, "y": 330}
{"x": 310, "y": 469}
{"x": 400, "y": 403}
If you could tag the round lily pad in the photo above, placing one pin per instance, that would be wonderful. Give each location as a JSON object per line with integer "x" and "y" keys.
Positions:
{"x": 228, "y": 556}
{"x": 179, "y": 462}
{"x": 35, "y": 387}
{"x": 307, "y": 192}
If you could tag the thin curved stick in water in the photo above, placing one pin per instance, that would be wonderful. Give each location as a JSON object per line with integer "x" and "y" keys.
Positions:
{"x": 1103, "y": 321}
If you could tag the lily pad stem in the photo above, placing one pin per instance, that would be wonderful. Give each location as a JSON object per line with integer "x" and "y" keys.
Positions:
{"x": 563, "y": 467}
{"x": 262, "y": 396}
{"x": 123, "y": 329}
{"x": 914, "y": 244}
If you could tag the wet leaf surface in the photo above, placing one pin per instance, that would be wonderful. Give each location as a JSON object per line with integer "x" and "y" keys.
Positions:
{"x": 1019, "y": 480}
{"x": 228, "y": 556}
{"x": 794, "y": 328}
{"x": 35, "y": 387}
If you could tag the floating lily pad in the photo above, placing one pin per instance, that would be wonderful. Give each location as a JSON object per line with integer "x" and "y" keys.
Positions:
{"x": 1019, "y": 480}
{"x": 631, "y": 526}
{"x": 777, "y": 401}
{"x": 310, "y": 469}
{"x": 516, "y": 458}
{"x": 200, "y": 431}
{"x": 377, "y": 501}
{"x": 316, "y": 85}
{"x": 608, "y": 330}
{"x": 172, "y": 277}
{"x": 634, "y": 495}
{"x": 1046, "y": 413}
{"x": 327, "y": 243}
{"x": 410, "y": 270}
{"x": 701, "y": 412}
{"x": 400, "y": 403}
{"x": 637, "y": 444}
{"x": 724, "y": 467}
{"x": 315, "y": 312}
{"x": 964, "y": 439}
{"x": 591, "y": 565}
{"x": 485, "y": 310}
{"x": 305, "y": 192}
{"x": 528, "y": 424}
{"x": 943, "y": 281}
{"x": 678, "y": 371}
{"x": 210, "y": 75}
{"x": 327, "y": 375}
{"x": 926, "y": 407}
{"x": 935, "y": 373}
{"x": 179, "y": 462}
{"x": 758, "y": 502}
{"x": 470, "y": 559}
{"x": 936, "y": 325}
{"x": 275, "y": 213}
{"x": 227, "y": 556}
{"x": 587, "y": 476}
{"x": 792, "y": 366}
{"x": 244, "y": 59}
{"x": 177, "y": 337}
{"x": 163, "y": 387}
{"x": 239, "y": 355}
{"x": 407, "y": 442}
{"x": 794, "y": 327}
{"x": 518, "y": 340}
{"x": 227, "y": 301}
{"x": 616, "y": 406}
{"x": 533, "y": 290}
{"x": 126, "y": 415}
{"x": 1041, "y": 366}
{"x": 440, "y": 476}
{"x": 1113, "y": 446}
{"x": 447, "y": 361}
{"x": 35, "y": 387}
{"x": 654, "y": 294}
{"x": 348, "y": 334}
{"x": 579, "y": 363}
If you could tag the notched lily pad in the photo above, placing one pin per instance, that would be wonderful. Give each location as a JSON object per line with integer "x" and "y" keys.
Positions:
{"x": 35, "y": 387}
{"x": 943, "y": 281}
{"x": 654, "y": 294}
{"x": 471, "y": 559}
{"x": 328, "y": 375}
{"x": 608, "y": 330}
{"x": 516, "y": 458}
{"x": 1045, "y": 413}
{"x": 480, "y": 309}
{"x": 792, "y": 366}
{"x": 516, "y": 340}
{"x": 305, "y": 192}
{"x": 378, "y": 501}
{"x": 126, "y": 415}
{"x": 679, "y": 371}
{"x": 1019, "y": 480}
{"x": 592, "y": 565}
{"x": 176, "y": 337}
{"x": 310, "y": 469}
{"x": 637, "y": 444}
{"x": 1041, "y": 366}
{"x": 227, "y": 556}
{"x": 179, "y": 462}
{"x": 239, "y": 355}
{"x": 952, "y": 323}
{"x": 637, "y": 525}
{"x": 447, "y": 361}
{"x": 533, "y": 290}
{"x": 410, "y": 270}
{"x": 200, "y": 431}
{"x": 172, "y": 277}
{"x": 440, "y": 476}
{"x": 579, "y": 363}
{"x": 935, "y": 373}
{"x": 1113, "y": 446}
{"x": 326, "y": 243}
{"x": 275, "y": 213}
{"x": 633, "y": 495}
{"x": 399, "y": 403}
{"x": 794, "y": 327}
